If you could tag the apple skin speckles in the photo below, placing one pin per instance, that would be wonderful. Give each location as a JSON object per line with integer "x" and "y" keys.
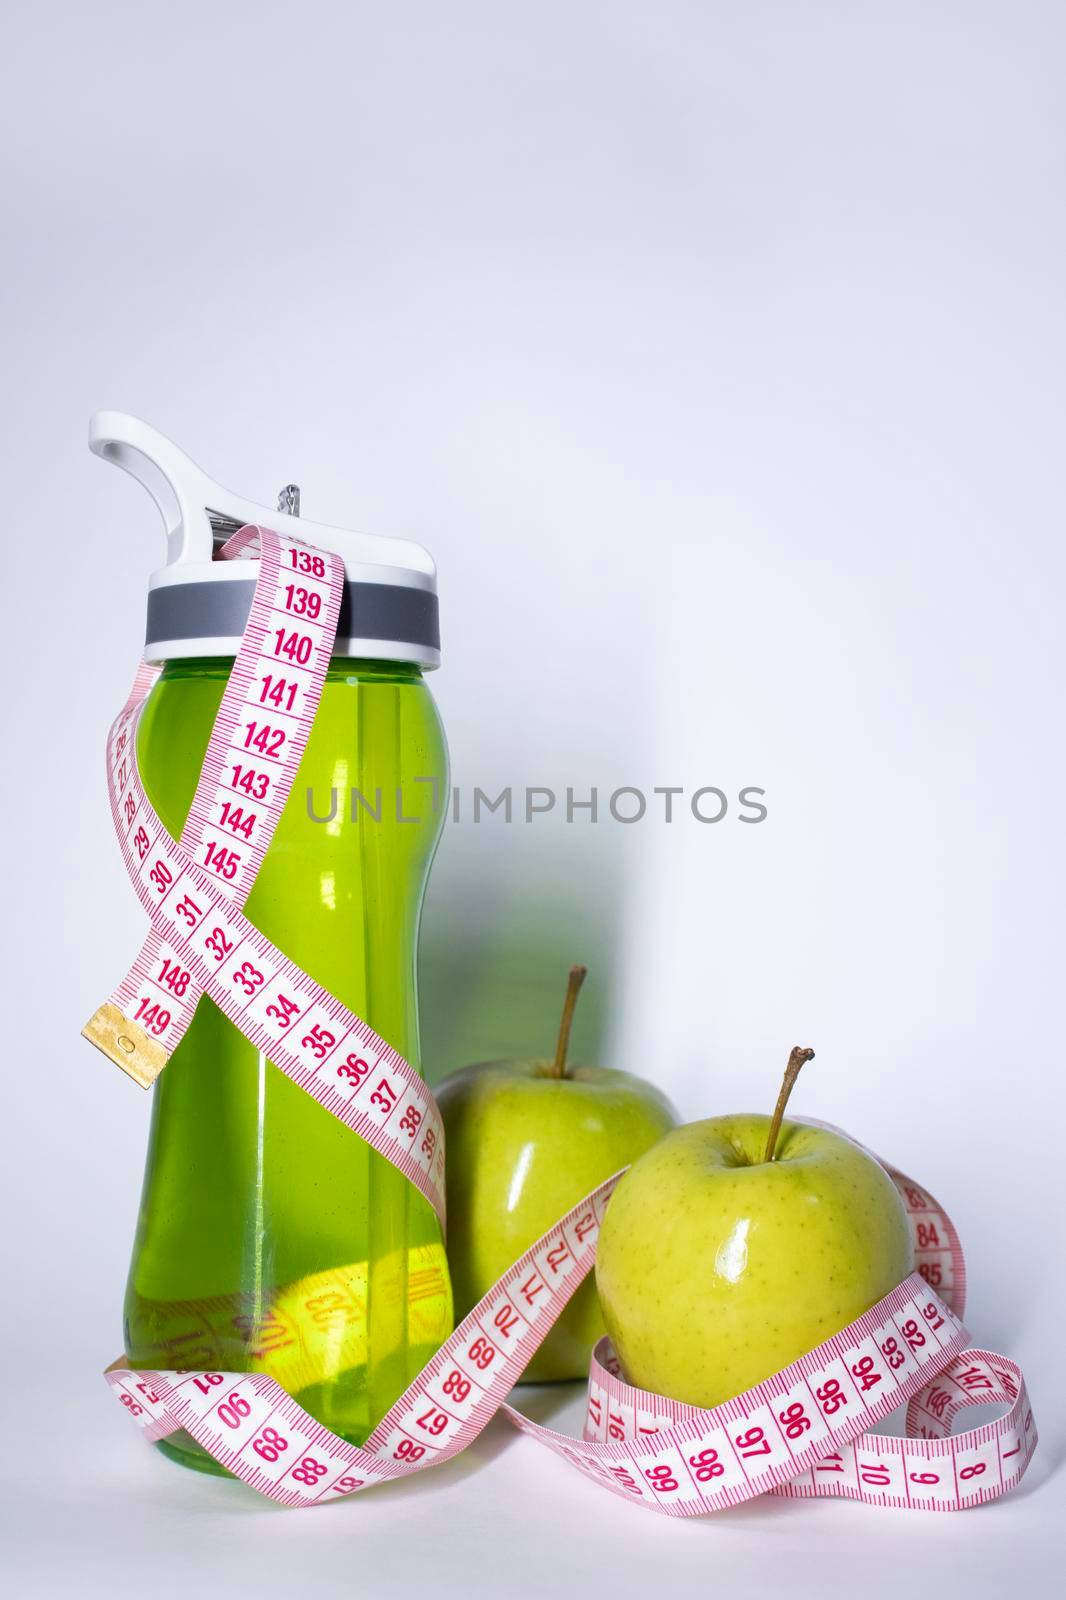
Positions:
{"x": 523, "y": 1147}
{"x": 825, "y": 1237}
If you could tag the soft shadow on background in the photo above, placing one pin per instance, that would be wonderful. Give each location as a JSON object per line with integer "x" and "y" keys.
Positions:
{"x": 500, "y": 931}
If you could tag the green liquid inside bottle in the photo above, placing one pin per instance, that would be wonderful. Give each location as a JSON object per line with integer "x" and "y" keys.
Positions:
{"x": 271, "y": 1238}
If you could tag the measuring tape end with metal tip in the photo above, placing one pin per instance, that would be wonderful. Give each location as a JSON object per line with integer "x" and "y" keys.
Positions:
{"x": 127, "y": 1045}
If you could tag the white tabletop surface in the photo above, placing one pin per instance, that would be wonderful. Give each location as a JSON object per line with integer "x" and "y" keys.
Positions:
{"x": 506, "y": 1518}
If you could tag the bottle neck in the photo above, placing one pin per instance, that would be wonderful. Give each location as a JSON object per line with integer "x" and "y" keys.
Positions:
{"x": 341, "y": 669}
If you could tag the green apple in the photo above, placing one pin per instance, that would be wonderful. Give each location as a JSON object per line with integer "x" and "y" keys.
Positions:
{"x": 737, "y": 1244}
{"x": 527, "y": 1140}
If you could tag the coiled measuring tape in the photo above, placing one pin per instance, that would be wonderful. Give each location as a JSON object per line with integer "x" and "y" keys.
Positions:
{"x": 805, "y": 1431}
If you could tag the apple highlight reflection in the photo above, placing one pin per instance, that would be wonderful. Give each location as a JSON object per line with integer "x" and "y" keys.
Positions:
{"x": 805, "y": 1231}
{"x": 526, "y": 1140}
{"x": 732, "y": 1259}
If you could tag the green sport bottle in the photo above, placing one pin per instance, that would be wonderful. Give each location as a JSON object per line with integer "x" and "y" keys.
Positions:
{"x": 270, "y": 1237}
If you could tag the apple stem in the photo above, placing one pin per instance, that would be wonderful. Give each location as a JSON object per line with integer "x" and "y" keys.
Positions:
{"x": 573, "y": 987}
{"x": 798, "y": 1057}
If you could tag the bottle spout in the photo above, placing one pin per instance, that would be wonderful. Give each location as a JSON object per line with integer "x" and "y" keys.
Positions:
{"x": 199, "y": 513}
{"x": 198, "y": 605}
{"x": 181, "y": 492}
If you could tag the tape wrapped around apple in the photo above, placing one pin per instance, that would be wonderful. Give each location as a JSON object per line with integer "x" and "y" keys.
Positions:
{"x": 526, "y": 1140}
{"x": 767, "y": 1237}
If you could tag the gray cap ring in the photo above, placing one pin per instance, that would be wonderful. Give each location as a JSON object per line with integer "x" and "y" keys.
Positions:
{"x": 187, "y": 611}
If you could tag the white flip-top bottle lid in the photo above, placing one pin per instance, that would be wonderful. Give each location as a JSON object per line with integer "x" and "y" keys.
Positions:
{"x": 198, "y": 606}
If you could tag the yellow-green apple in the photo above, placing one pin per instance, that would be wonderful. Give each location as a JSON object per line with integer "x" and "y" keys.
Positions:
{"x": 737, "y": 1244}
{"x": 526, "y": 1141}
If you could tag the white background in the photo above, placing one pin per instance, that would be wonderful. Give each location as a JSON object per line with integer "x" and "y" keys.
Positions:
{"x": 717, "y": 352}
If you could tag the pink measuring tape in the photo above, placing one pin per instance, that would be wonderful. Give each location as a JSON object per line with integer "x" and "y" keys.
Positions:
{"x": 193, "y": 889}
{"x": 805, "y": 1431}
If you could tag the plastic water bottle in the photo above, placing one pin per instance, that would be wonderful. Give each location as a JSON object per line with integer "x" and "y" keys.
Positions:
{"x": 270, "y": 1237}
